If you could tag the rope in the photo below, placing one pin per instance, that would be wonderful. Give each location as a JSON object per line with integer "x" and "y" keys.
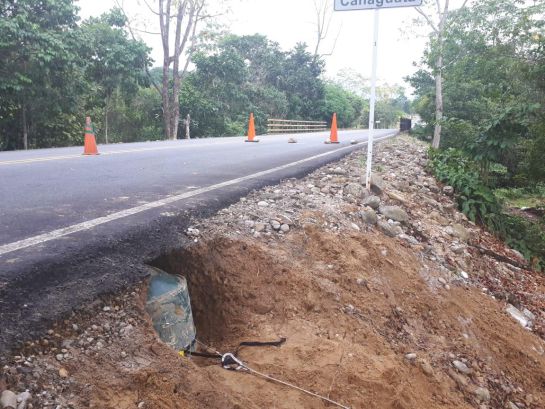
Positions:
{"x": 231, "y": 358}
{"x": 270, "y": 378}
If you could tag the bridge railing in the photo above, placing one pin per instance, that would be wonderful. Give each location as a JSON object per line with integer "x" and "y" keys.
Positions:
{"x": 280, "y": 126}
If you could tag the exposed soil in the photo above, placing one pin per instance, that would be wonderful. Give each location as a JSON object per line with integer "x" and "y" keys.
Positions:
{"x": 368, "y": 324}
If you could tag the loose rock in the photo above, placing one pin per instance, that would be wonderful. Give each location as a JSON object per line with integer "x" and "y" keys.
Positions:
{"x": 461, "y": 367}
{"x": 373, "y": 202}
{"x": 395, "y": 213}
{"x": 8, "y": 400}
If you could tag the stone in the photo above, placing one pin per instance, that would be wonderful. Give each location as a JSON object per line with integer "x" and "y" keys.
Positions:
{"x": 395, "y": 213}
{"x": 275, "y": 224}
{"x": 410, "y": 357}
{"x": 63, "y": 373}
{"x": 369, "y": 216}
{"x": 511, "y": 405}
{"x": 59, "y": 357}
{"x": 482, "y": 394}
{"x": 517, "y": 315}
{"x": 107, "y": 309}
{"x": 461, "y": 380}
{"x": 263, "y": 204}
{"x": 373, "y": 202}
{"x": 355, "y": 190}
{"x": 23, "y": 399}
{"x": 435, "y": 215}
{"x": 353, "y": 142}
{"x": 377, "y": 184}
{"x": 389, "y": 229}
{"x": 460, "y": 232}
{"x": 292, "y": 140}
{"x": 461, "y": 367}
{"x": 8, "y": 400}
{"x": 397, "y": 197}
{"x": 339, "y": 171}
{"x": 193, "y": 232}
{"x": 409, "y": 239}
{"x": 464, "y": 275}
{"x": 448, "y": 190}
{"x": 426, "y": 367}
{"x": 260, "y": 227}
{"x": 529, "y": 314}
{"x": 285, "y": 228}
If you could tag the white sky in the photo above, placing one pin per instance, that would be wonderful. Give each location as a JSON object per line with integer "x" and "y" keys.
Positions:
{"x": 292, "y": 21}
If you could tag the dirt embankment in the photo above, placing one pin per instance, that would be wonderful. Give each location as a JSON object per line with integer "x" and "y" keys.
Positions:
{"x": 388, "y": 301}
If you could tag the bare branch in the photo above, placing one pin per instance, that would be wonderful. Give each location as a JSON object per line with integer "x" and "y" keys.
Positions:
{"x": 131, "y": 32}
{"x": 151, "y": 9}
{"x": 428, "y": 19}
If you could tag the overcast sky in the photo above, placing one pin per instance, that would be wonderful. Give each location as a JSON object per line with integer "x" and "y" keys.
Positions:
{"x": 292, "y": 21}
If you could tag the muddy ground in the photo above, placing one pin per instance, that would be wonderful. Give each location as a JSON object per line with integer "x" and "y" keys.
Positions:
{"x": 377, "y": 313}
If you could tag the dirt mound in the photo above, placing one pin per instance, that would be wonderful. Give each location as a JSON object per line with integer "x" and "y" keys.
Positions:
{"x": 352, "y": 313}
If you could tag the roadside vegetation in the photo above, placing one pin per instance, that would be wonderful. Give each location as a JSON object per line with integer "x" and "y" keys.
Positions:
{"x": 493, "y": 128}
{"x": 56, "y": 69}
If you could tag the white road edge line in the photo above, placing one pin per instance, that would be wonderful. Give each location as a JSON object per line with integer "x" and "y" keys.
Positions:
{"x": 90, "y": 224}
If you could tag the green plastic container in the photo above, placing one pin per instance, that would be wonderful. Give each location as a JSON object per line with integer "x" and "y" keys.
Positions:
{"x": 169, "y": 307}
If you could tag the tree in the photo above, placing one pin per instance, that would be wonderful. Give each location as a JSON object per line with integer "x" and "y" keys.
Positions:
{"x": 115, "y": 62}
{"x": 176, "y": 39}
{"x": 437, "y": 21}
{"x": 493, "y": 88}
{"x": 324, "y": 16}
{"x": 38, "y": 65}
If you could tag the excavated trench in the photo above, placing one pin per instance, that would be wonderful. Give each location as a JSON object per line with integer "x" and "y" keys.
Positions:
{"x": 223, "y": 278}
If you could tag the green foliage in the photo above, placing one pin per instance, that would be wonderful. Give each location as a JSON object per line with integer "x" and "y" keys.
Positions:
{"x": 348, "y": 105}
{"x": 493, "y": 87}
{"x": 475, "y": 199}
{"x": 53, "y": 72}
{"x": 521, "y": 234}
{"x": 481, "y": 205}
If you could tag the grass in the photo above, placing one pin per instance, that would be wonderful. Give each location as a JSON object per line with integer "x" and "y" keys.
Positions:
{"x": 522, "y": 197}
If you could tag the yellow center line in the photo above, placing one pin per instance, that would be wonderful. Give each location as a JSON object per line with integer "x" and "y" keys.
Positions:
{"x": 119, "y": 152}
{"x": 160, "y": 148}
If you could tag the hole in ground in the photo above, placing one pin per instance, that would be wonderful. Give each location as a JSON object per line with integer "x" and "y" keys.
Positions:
{"x": 229, "y": 284}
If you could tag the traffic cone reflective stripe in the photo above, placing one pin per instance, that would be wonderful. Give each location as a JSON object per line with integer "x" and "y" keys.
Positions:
{"x": 90, "y": 145}
{"x": 251, "y": 129}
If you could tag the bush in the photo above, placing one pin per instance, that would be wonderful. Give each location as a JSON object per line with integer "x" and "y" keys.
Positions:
{"x": 480, "y": 205}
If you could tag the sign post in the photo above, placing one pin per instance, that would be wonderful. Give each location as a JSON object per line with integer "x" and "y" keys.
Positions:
{"x": 349, "y": 5}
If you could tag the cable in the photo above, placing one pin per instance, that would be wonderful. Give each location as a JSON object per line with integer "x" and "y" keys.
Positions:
{"x": 226, "y": 358}
{"x": 270, "y": 378}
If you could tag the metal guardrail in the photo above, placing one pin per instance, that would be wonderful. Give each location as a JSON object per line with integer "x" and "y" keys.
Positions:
{"x": 279, "y": 126}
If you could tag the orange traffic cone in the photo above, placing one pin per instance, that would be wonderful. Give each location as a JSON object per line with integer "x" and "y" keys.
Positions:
{"x": 334, "y": 137}
{"x": 90, "y": 140}
{"x": 251, "y": 130}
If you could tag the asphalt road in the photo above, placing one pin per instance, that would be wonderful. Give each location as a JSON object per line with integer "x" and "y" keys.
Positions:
{"x": 74, "y": 227}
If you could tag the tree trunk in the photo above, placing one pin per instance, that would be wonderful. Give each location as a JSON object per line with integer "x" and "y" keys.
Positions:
{"x": 25, "y": 127}
{"x": 438, "y": 103}
{"x": 188, "y": 127}
{"x": 106, "y": 111}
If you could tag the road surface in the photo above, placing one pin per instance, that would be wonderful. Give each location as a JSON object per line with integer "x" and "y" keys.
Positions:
{"x": 73, "y": 227}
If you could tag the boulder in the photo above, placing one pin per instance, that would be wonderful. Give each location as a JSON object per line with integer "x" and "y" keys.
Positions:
{"x": 395, "y": 213}
{"x": 377, "y": 184}
{"x": 373, "y": 202}
{"x": 460, "y": 232}
{"x": 369, "y": 216}
{"x": 389, "y": 229}
{"x": 355, "y": 190}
